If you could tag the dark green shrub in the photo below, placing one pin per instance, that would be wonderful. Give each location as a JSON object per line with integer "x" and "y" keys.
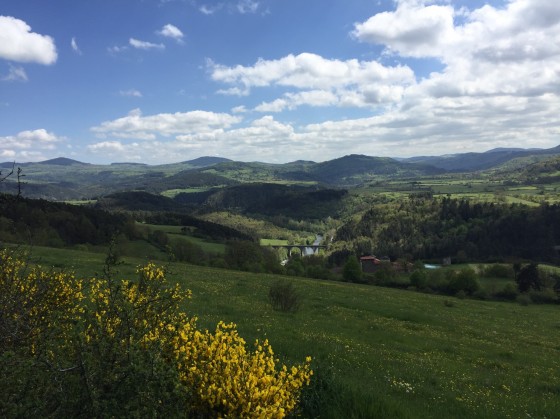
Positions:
{"x": 186, "y": 251}
{"x": 509, "y": 292}
{"x": 529, "y": 278}
{"x": 437, "y": 280}
{"x": 498, "y": 271}
{"x": 481, "y": 294}
{"x": 283, "y": 296}
{"x": 419, "y": 278}
{"x": 547, "y": 296}
{"x": 352, "y": 270}
{"x": 465, "y": 280}
{"x": 159, "y": 238}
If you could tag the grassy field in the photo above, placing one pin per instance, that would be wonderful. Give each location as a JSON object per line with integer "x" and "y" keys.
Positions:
{"x": 171, "y": 193}
{"x": 382, "y": 352}
{"x": 176, "y": 232}
{"x": 273, "y": 242}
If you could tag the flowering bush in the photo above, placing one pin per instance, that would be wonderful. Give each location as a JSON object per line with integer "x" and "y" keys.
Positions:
{"x": 104, "y": 347}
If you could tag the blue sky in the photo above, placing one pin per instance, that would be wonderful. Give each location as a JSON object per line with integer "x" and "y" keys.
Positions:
{"x": 161, "y": 81}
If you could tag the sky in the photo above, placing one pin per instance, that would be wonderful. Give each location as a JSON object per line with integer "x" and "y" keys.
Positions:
{"x": 164, "y": 81}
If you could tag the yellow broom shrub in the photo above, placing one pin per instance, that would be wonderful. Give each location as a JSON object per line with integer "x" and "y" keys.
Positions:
{"x": 104, "y": 334}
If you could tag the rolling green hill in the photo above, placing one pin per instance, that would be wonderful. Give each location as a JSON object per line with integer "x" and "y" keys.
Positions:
{"x": 381, "y": 352}
{"x": 66, "y": 179}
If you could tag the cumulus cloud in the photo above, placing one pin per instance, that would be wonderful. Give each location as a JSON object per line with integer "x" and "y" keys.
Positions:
{"x": 135, "y": 125}
{"x": 28, "y": 144}
{"x": 307, "y": 71}
{"x": 171, "y": 31}
{"x": 497, "y": 84}
{"x": 324, "y": 82}
{"x": 144, "y": 44}
{"x": 413, "y": 29}
{"x": 18, "y": 43}
{"x": 15, "y": 74}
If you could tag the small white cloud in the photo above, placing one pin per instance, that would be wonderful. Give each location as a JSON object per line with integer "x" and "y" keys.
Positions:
{"x": 107, "y": 146}
{"x": 247, "y": 6}
{"x": 7, "y": 153}
{"x": 210, "y": 10}
{"x": 144, "y": 44}
{"x": 117, "y": 49}
{"x": 171, "y": 31}
{"x": 239, "y": 109}
{"x": 75, "y": 47}
{"x": 18, "y": 43}
{"x": 130, "y": 93}
{"x": 15, "y": 74}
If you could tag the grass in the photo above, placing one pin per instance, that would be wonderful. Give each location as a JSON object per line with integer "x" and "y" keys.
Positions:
{"x": 177, "y": 232}
{"x": 382, "y": 352}
{"x": 273, "y": 242}
{"x": 172, "y": 193}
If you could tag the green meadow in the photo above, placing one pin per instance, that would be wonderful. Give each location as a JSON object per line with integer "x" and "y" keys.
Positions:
{"x": 380, "y": 352}
{"x": 175, "y": 232}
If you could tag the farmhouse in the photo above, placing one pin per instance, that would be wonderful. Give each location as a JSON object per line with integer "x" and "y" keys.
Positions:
{"x": 369, "y": 263}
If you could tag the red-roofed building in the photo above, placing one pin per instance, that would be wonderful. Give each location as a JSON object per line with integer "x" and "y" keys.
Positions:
{"x": 369, "y": 263}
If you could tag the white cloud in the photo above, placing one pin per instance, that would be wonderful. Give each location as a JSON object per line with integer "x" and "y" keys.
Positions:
{"x": 247, "y": 6}
{"x": 130, "y": 93}
{"x": 74, "y": 45}
{"x": 324, "y": 82}
{"x": 210, "y": 10}
{"x": 413, "y": 29}
{"x": 497, "y": 85}
{"x": 294, "y": 100}
{"x": 15, "y": 74}
{"x": 38, "y": 136}
{"x": 18, "y": 43}
{"x": 171, "y": 31}
{"x": 144, "y": 44}
{"x": 135, "y": 125}
{"x": 28, "y": 144}
{"x": 239, "y": 109}
{"x": 7, "y": 153}
{"x": 117, "y": 49}
{"x": 107, "y": 146}
{"x": 522, "y": 30}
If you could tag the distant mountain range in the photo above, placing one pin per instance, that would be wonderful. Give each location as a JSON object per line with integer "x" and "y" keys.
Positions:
{"x": 66, "y": 179}
{"x": 480, "y": 161}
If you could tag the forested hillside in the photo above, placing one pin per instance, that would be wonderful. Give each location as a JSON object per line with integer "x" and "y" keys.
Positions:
{"x": 56, "y": 224}
{"x": 422, "y": 228}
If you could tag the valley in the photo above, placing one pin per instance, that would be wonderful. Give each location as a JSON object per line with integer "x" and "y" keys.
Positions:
{"x": 457, "y": 318}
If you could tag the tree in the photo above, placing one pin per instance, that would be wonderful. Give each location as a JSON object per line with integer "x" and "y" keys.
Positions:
{"x": 465, "y": 280}
{"x": 529, "y": 278}
{"x": 352, "y": 270}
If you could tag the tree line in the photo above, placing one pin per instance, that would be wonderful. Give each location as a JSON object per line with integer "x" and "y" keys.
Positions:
{"x": 421, "y": 228}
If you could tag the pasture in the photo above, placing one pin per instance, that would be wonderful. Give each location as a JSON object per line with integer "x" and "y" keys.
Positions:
{"x": 381, "y": 352}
